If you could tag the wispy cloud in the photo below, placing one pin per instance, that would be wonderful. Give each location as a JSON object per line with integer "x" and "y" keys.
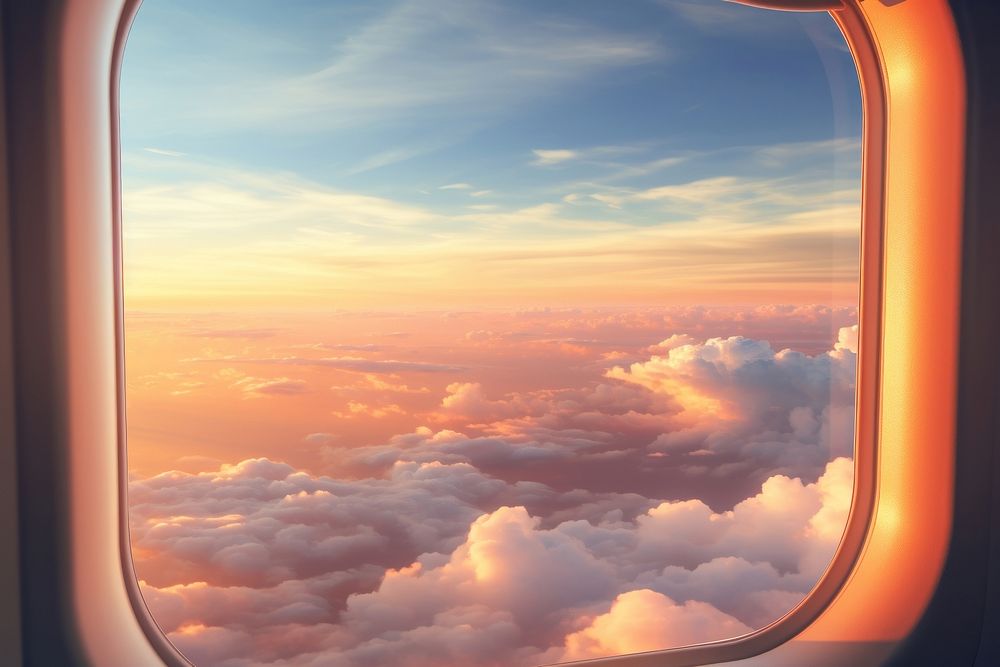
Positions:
{"x": 468, "y": 187}
{"x": 281, "y": 386}
{"x": 726, "y": 18}
{"x": 788, "y": 158}
{"x": 164, "y": 152}
{"x": 356, "y": 364}
{"x": 786, "y": 153}
{"x": 227, "y": 199}
{"x": 707, "y": 190}
{"x": 384, "y": 159}
{"x": 302, "y": 241}
{"x": 233, "y": 333}
{"x": 359, "y": 409}
{"x": 545, "y": 157}
{"x": 456, "y": 57}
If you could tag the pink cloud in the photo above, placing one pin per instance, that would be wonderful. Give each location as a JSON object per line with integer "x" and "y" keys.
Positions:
{"x": 357, "y": 408}
{"x": 690, "y": 487}
{"x": 716, "y": 417}
{"x": 486, "y": 583}
{"x": 644, "y": 620}
{"x": 281, "y": 386}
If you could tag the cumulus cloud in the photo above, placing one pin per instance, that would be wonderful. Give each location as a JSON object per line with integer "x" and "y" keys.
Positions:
{"x": 261, "y": 522}
{"x": 685, "y": 495}
{"x": 713, "y": 417}
{"x": 644, "y": 620}
{"x": 756, "y": 410}
{"x": 258, "y": 563}
{"x": 541, "y": 578}
{"x": 776, "y": 526}
{"x": 466, "y": 398}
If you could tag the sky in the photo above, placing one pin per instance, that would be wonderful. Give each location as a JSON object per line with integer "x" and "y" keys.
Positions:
{"x": 459, "y": 154}
{"x": 484, "y": 333}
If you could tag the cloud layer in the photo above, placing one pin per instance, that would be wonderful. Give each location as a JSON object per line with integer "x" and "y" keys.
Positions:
{"x": 716, "y": 418}
{"x": 551, "y": 531}
{"x": 281, "y": 567}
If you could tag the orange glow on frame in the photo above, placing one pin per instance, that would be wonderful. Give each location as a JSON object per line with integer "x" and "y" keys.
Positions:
{"x": 912, "y": 416}
{"x": 890, "y": 586}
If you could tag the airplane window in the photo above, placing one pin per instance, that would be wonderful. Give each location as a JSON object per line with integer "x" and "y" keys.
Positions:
{"x": 466, "y": 332}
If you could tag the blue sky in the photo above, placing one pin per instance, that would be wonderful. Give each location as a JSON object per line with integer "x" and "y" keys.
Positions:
{"x": 640, "y": 113}
{"x": 456, "y": 91}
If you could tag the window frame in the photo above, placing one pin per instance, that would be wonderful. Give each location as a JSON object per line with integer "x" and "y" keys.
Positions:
{"x": 67, "y": 329}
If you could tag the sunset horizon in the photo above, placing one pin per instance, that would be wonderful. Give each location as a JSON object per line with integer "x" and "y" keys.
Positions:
{"x": 463, "y": 333}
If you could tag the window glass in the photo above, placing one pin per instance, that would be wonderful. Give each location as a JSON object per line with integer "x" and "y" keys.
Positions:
{"x": 481, "y": 333}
